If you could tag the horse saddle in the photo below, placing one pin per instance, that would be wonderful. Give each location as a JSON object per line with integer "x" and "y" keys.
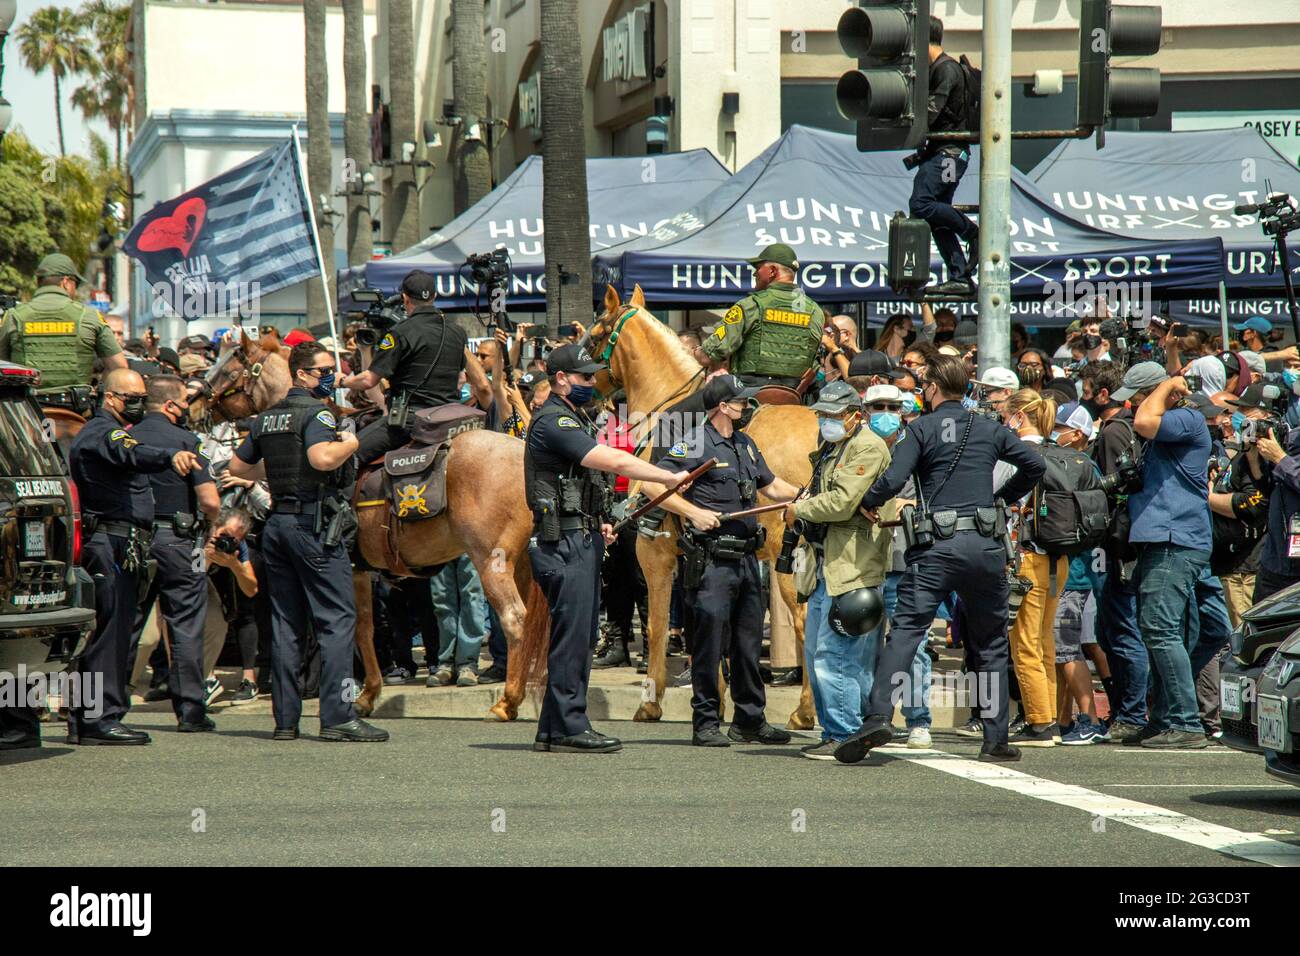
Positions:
{"x": 413, "y": 479}
{"x": 779, "y": 395}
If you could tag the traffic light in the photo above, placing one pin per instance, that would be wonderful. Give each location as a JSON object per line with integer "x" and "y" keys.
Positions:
{"x": 1106, "y": 91}
{"x": 888, "y": 94}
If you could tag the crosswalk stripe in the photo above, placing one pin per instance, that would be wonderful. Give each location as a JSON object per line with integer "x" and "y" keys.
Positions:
{"x": 1142, "y": 816}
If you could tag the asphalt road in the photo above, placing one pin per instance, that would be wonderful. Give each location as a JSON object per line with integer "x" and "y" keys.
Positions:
{"x": 472, "y": 792}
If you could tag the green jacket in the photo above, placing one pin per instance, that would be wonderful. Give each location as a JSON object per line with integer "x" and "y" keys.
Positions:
{"x": 775, "y": 331}
{"x": 57, "y": 335}
{"x": 856, "y": 553}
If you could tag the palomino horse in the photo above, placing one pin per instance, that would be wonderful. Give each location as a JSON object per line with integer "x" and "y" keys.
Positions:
{"x": 486, "y": 517}
{"x": 647, "y": 360}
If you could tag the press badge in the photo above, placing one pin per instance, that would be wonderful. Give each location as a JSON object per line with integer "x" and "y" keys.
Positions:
{"x": 1293, "y": 540}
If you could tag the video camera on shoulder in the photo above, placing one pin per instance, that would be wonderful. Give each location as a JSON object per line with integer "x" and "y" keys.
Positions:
{"x": 382, "y": 313}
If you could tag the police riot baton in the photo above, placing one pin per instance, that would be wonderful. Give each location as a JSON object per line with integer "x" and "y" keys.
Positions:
{"x": 691, "y": 476}
{"x": 761, "y": 509}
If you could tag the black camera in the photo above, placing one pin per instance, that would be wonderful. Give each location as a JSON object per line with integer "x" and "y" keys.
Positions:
{"x": 1278, "y": 214}
{"x": 1252, "y": 430}
{"x": 8, "y": 302}
{"x": 489, "y": 268}
{"x": 789, "y": 541}
{"x": 225, "y": 544}
{"x": 1194, "y": 381}
{"x": 382, "y": 313}
{"x": 1126, "y": 479}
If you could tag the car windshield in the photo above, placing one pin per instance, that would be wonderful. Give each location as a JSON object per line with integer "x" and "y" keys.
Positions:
{"x": 24, "y": 448}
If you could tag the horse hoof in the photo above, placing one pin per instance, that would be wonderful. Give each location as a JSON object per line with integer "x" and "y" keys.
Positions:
{"x": 648, "y": 712}
{"x": 799, "y": 721}
{"x": 504, "y": 710}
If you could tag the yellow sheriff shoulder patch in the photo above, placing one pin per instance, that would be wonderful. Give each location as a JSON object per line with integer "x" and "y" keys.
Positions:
{"x": 735, "y": 315}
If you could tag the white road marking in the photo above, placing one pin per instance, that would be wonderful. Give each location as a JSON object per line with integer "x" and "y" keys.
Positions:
{"x": 1142, "y": 816}
{"x": 1203, "y": 786}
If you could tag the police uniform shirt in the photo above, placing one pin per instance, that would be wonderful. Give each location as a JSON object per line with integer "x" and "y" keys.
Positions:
{"x": 171, "y": 492}
{"x": 559, "y": 437}
{"x": 52, "y": 314}
{"x": 111, "y": 469}
{"x": 321, "y": 427}
{"x": 718, "y": 489}
{"x": 406, "y": 355}
{"x": 934, "y": 438}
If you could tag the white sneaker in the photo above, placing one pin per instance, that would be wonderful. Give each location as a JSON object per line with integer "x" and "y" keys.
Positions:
{"x": 918, "y": 738}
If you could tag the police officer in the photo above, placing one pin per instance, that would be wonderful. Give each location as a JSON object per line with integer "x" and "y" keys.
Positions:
{"x": 721, "y": 583}
{"x": 56, "y": 333}
{"x": 772, "y": 336}
{"x": 422, "y": 358}
{"x": 297, "y": 447}
{"x": 111, "y": 470}
{"x": 180, "y": 584}
{"x": 567, "y": 497}
{"x": 952, "y": 451}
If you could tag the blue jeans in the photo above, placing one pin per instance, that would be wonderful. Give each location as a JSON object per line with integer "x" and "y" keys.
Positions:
{"x": 932, "y": 190}
{"x": 840, "y": 669}
{"x": 1119, "y": 638}
{"x": 917, "y": 712}
{"x": 1207, "y": 620}
{"x": 1166, "y": 578}
{"x": 460, "y": 607}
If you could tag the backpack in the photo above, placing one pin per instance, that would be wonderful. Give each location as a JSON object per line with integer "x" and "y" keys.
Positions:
{"x": 1070, "y": 513}
{"x": 972, "y": 77}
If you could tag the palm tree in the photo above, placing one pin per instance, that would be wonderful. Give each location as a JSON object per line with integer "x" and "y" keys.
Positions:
{"x": 51, "y": 40}
{"x": 564, "y": 166}
{"x": 473, "y": 172}
{"x": 109, "y": 94}
{"x": 405, "y": 208}
{"x": 356, "y": 131}
{"x": 318, "y": 146}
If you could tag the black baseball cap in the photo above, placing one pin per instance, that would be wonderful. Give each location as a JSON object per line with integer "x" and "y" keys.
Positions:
{"x": 572, "y": 358}
{"x": 1205, "y": 405}
{"x": 169, "y": 356}
{"x": 725, "y": 388}
{"x": 420, "y": 286}
{"x": 870, "y": 362}
{"x": 1263, "y": 395}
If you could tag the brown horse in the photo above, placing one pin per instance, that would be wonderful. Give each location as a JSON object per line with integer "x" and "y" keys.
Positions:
{"x": 648, "y": 361}
{"x": 486, "y": 517}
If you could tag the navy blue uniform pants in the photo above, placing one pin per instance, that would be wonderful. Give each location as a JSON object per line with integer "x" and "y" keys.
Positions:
{"x": 104, "y": 664}
{"x": 727, "y": 618}
{"x": 310, "y": 585}
{"x": 568, "y": 572}
{"x": 932, "y": 190}
{"x": 975, "y": 568}
{"x": 180, "y": 586}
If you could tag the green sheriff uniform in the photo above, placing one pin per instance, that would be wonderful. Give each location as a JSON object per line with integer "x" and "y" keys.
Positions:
{"x": 55, "y": 333}
{"x": 772, "y": 336}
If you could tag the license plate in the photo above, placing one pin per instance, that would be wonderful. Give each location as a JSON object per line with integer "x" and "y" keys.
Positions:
{"x": 1273, "y": 731}
{"x": 1230, "y": 697}
{"x": 34, "y": 539}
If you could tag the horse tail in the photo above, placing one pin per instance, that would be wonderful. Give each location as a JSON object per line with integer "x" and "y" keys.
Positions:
{"x": 537, "y": 635}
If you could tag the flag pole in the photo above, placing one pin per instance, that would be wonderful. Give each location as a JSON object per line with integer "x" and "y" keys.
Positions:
{"x": 320, "y": 256}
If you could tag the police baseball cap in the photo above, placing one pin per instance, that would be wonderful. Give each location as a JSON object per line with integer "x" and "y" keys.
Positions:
{"x": 572, "y": 358}
{"x": 57, "y": 264}
{"x": 1139, "y": 378}
{"x": 870, "y": 362}
{"x": 1256, "y": 323}
{"x": 725, "y": 388}
{"x": 1263, "y": 395}
{"x": 836, "y": 398}
{"x": 779, "y": 253}
{"x": 420, "y": 286}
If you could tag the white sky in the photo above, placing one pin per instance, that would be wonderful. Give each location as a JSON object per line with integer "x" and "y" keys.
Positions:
{"x": 33, "y": 96}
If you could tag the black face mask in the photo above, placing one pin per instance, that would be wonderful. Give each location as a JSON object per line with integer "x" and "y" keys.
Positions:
{"x": 747, "y": 415}
{"x": 909, "y": 338}
{"x": 945, "y": 336}
{"x": 133, "y": 410}
{"x": 1091, "y": 342}
{"x": 1094, "y": 407}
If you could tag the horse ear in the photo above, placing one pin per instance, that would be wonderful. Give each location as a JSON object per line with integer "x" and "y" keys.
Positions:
{"x": 244, "y": 340}
{"x": 638, "y": 297}
{"x": 611, "y": 299}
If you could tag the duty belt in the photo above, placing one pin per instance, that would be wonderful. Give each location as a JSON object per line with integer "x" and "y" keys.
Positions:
{"x": 294, "y": 507}
{"x": 725, "y": 547}
{"x": 123, "y": 529}
{"x": 571, "y": 522}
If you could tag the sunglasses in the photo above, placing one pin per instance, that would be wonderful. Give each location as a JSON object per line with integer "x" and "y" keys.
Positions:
{"x": 886, "y": 406}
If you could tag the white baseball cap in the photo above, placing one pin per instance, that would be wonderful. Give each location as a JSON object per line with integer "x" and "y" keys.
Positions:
{"x": 883, "y": 393}
{"x": 998, "y": 377}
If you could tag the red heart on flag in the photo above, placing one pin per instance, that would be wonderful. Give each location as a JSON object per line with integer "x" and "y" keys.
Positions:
{"x": 177, "y": 231}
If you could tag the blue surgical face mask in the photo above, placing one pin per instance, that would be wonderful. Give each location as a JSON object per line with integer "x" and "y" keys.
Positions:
{"x": 885, "y": 424}
{"x": 464, "y": 392}
{"x": 832, "y": 429}
{"x": 1292, "y": 379}
{"x": 1238, "y": 422}
{"x": 324, "y": 385}
{"x": 580, "y": 395}
{"x": 910, "y": 405}
{"x": 1055, "y": 436}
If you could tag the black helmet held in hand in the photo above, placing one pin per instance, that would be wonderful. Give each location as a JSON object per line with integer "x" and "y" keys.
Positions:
{"x": 858, "y": 612}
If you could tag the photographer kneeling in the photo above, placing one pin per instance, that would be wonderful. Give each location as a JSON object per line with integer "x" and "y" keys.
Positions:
{"x": 228, "y": 559}
{"x": 1279, "y": 562}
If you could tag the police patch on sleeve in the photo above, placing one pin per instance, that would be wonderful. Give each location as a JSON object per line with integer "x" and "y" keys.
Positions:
{"x": 678, "y": 450}
{"x": 326, "y": 418}
{"x": 120, "y": 434}
{"x": 566, "y": 421}
{"x": 734, "y": 315}
{"x": 387, "y": 342}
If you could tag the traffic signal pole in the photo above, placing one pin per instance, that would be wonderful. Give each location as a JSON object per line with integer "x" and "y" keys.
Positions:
{"x": 995, "y": 189}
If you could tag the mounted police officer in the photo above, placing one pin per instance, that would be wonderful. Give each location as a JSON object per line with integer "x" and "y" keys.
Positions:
{"x": 111, "y": 470}
{"x": 297, "y": 447}
{"x": 720, "y": 581}
{"x": 772, "y": 336}
{"x": 180, "y": 585}
{"x": 56, "y": 333}
{"x": 568, "y": 498}
{"x": 956, "y": 542}
{"x": 422, "y": 358}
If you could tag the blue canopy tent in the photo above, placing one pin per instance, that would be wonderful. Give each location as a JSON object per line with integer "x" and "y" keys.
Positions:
{"x": 1183, "y": 185}
{"x": 813, "y": 190}
{"x": 628, "y": 196}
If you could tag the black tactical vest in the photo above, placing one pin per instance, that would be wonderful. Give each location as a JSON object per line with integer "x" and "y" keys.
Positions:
{"x": 573, "y": 493}
{"x": 280, "y": 438}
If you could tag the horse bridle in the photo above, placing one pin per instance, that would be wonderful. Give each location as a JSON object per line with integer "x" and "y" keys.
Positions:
{"x": 243, "y": 382}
